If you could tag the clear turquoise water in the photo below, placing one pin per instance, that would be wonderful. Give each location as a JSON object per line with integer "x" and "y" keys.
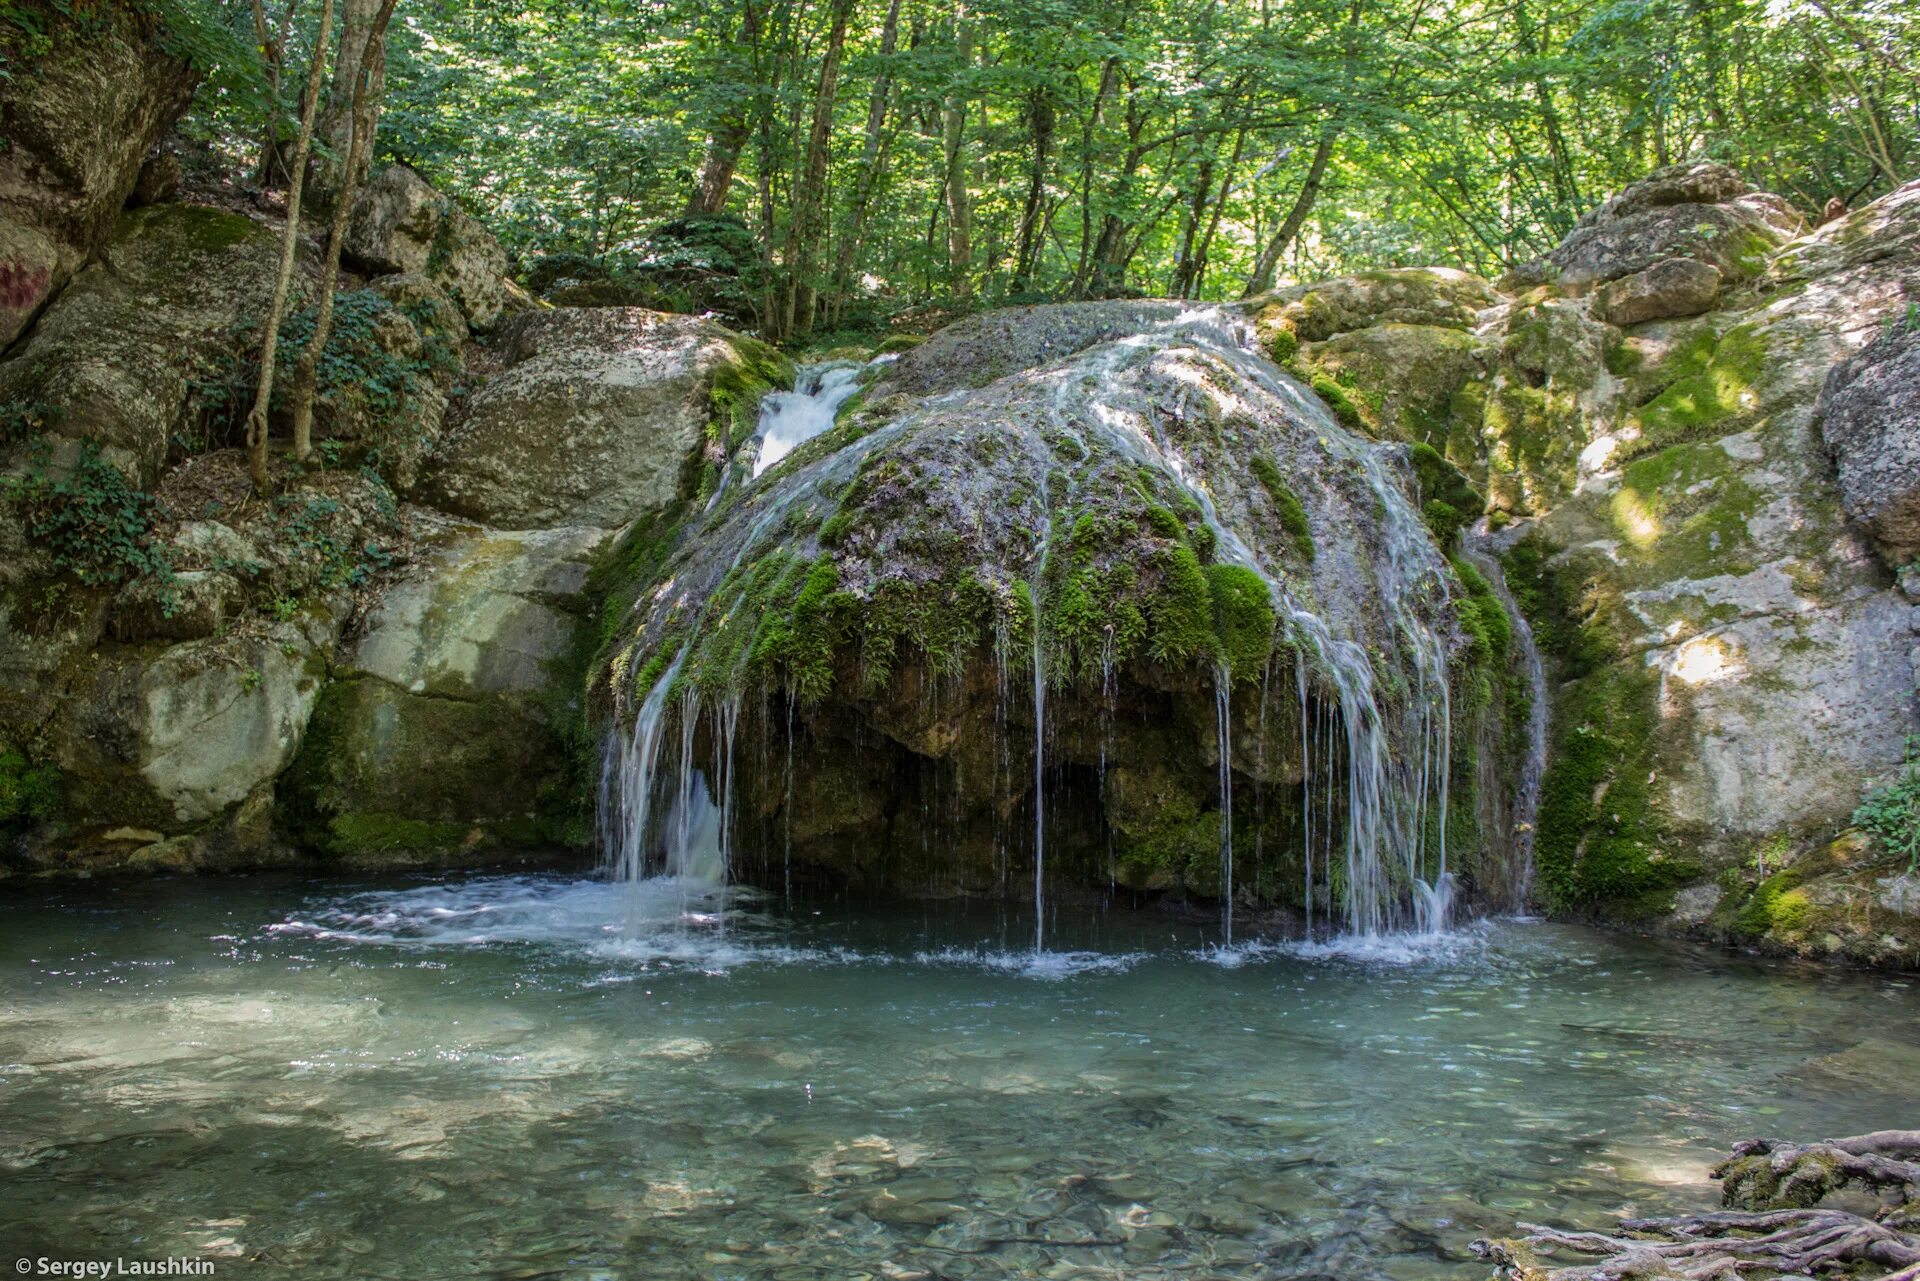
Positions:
{"x": 527, "y": 1077}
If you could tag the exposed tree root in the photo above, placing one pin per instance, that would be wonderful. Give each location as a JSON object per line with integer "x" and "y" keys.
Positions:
{"x": 1773, "y": 1229}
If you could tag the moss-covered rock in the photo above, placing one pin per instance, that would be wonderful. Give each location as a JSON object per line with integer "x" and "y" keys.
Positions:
{"x": 88, "y": 94}
{"x": 1150, "y": 521}
{"x": 1700, "y": 210}
{"x": 118, "y": 358}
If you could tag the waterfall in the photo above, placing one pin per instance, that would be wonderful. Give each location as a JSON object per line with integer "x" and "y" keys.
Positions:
{"x": 1477, "y": 547}
{"x": 788, "y": 419}
{"x": 1039, "y": 782}
{"x": 1370, "y": 673}
{"x": 1386, "y": 860}
{"x": 1223, "y": 725}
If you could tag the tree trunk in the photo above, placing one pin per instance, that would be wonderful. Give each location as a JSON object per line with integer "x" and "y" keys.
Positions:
{"x": 871, "y": 158}
{"x": 729, "y": 138}
{"x": 361, "y": 121}
{"x": 953, "y": 119}
{"x": 289, "y": 246}
{"x": 1263, "y": 269}
{"x": 809, "y": 214}
{"x": 331, "y": 170}
{"x": 1040, "y": 124}
{"x": 270, "y": 169}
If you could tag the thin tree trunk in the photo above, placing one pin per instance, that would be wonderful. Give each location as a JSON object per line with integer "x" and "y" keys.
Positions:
{"x": 868, "y": 177}
{"x": 289, "y": 246}
{"x": 361, "y": 120}
{"x": 270, "y": 169}
{"x": 1204, "y": 252}
{"x": 1109, "y": 80}
{"x": 1040, "y": 123}
{"x": 1263, "y": 268}
{"x": 953, "y": 118}
{"x": 809, "y": 211}
{"x": 331, "y": 173}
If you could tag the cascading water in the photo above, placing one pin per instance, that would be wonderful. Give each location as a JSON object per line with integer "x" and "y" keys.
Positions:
{"x": 1223, "y": 723}
{"x": 788, "y": 419}
{"x": 1386, "y": 859}
{"x": 1477, "y": 546}
{"x": 1376, "y": 855}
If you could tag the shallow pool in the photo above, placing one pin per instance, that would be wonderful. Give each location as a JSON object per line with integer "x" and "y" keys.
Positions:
{"x": 527, "y": 1077}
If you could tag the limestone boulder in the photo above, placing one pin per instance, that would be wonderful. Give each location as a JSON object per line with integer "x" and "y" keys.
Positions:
{"x": 447, "y": 730}
{"x": 1669, "y": 288}
{"x": 115, "y": 360}
{"x": 1870, "y": 417}
{"x": 1702, "y": 210}
{"x": 401, "y": 224}
{"x": 79, "y": 114}
{"x": 1408, "y": 296}
{"x": 170, "y": 739}
{"x": 602, "y": 416}
{"x": 1738, "y": 666}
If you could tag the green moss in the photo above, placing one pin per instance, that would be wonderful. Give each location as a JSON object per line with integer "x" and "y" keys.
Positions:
{"x": 1243, "y": 618}
{"x": 1600, "y": 839}
{"x": 1344, "y": 408}
{"x": 1287, "y": 508}
{"x": 201, "y": 228}
{"x": 356, "y": 834}
{"x": 899, "y": 343}
{"x": 1709, "y": 392}
{"x": 1180, "y": 612}
{"x": 1483, "y": 618}
{"x": 1777, "y": 906}
{"x": 1448, "y": 501}
{"x": 29, "y": 792}
{"x": 1283, "y": 345}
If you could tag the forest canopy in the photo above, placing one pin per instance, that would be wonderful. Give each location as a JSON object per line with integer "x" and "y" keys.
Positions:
{"x": 844, "y": 161}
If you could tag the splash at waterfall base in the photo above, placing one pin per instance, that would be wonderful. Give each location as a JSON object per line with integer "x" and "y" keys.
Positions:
{"x": 1080, "y": 600}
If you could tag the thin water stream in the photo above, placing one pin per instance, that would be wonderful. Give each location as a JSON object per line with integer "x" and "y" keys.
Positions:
{"x": 558, "y": 1077}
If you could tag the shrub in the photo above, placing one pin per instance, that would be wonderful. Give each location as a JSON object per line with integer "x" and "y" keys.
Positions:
{"x": 1893, "y": 812}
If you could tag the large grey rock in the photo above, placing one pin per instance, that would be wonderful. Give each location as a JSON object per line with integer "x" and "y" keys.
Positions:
{"x": 115, "y": 359}
{"x": 170, "y": 738}
{"x": 1406, "y": 296}
{"x": 1870, "y": 415}
{"x": 1707, "y": 543}
{"x": 1701, "y": 210}
{"x": 401, "y": 224}
{"x": 486, "y": 612}
{"x": 1672, "y": 287}
{"x": 445, "y": 732}
{"x": 79, "y": 118}
{"x": 601, "y": 416}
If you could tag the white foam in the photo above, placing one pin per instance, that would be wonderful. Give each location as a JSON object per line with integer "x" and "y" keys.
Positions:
{"x": 664, "y": 920}
{"x": 1051, "y": 966}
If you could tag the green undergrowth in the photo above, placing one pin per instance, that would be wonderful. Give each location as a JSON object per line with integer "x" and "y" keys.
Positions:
{"x": 94, "y": 524}
{"x": 1892, "y": 813}
{"x": 29, "y": 789}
